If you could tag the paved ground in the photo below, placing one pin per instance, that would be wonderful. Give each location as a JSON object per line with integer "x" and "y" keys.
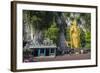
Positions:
{"x": 64, "y": 57}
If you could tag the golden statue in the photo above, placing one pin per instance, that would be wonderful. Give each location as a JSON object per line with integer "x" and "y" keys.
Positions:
{"x": 74, "y": 35}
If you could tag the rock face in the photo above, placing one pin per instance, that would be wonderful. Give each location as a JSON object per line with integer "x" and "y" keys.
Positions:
{"x": 35, "y": 38}
{"x": 26, "y": 36}
{"x": 27, "y": 32}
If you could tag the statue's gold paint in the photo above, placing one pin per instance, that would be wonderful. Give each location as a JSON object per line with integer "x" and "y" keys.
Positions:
{"x": 74, "y": 35}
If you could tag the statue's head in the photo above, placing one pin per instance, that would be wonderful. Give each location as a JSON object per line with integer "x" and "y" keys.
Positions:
{"x": 74, "y": 22}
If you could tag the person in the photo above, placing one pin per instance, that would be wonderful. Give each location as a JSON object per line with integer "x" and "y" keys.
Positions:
{"x": 74, "y": 35}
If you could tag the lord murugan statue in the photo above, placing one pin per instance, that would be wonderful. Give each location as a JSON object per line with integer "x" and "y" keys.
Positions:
{"x": 74, "y": 35}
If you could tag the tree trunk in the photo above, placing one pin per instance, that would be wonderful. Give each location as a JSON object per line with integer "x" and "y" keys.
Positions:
{"x": 60, "y": 20}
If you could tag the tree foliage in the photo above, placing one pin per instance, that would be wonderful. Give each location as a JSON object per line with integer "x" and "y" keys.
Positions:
{"x": 52, "y": 33}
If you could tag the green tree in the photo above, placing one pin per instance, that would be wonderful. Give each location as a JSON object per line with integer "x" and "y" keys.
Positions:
{"x": 88, "y": 39}
{"x": 52, "y": 33}
{"x": 82, "y": 38}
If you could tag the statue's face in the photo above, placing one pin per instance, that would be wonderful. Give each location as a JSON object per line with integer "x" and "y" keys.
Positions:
{"x": 74, "y": 22}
